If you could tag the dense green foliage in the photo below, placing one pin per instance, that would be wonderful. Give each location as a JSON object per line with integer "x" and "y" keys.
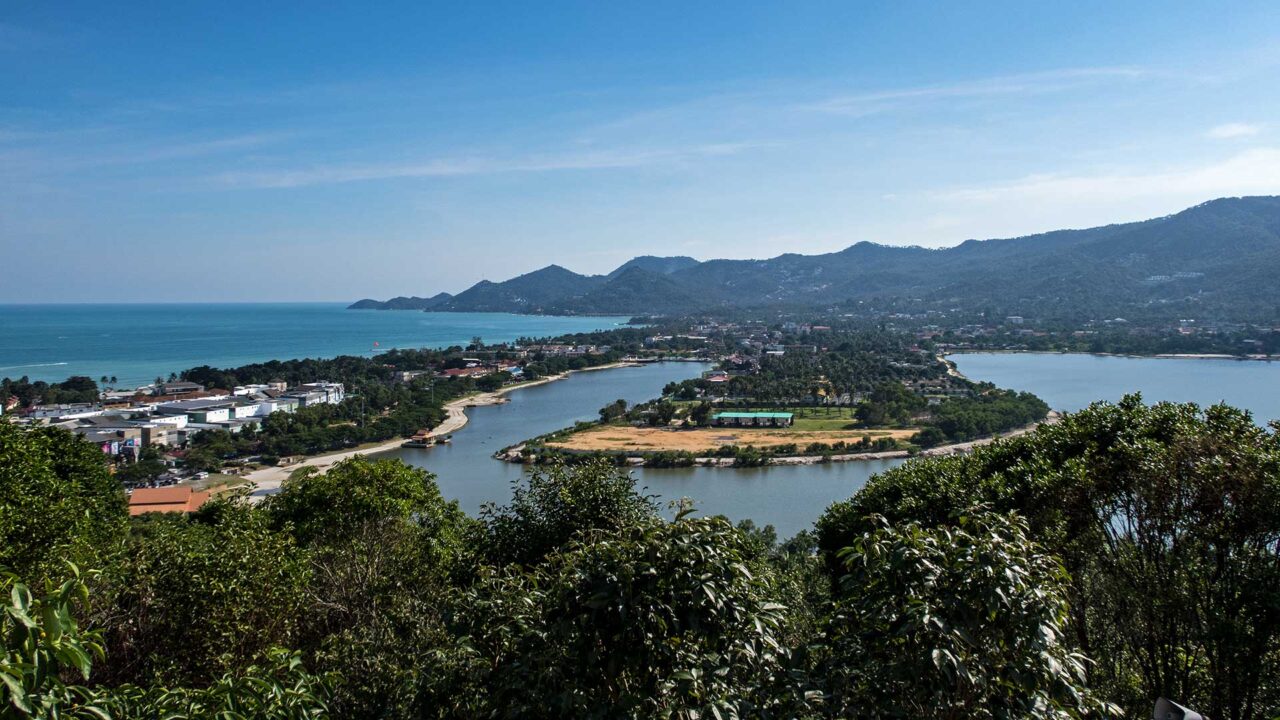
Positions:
{"x": 553, "y": 507}
{"x": 1124, "y": 553}
{"x": 991, "y": 412}
{"x": 652, "y": 619}
{"x": 1167, "y": 519}
{"x": 58, "y": 503}
{"x": 46, "y": 653}
{"x": 954, "y": 622}
{"x": 207, "y": 593}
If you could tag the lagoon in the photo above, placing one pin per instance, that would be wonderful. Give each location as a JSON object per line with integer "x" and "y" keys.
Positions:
{"x": 1073, "y": 381}
{"x": 791, "y": 498}
{"x": 788, "y": 497}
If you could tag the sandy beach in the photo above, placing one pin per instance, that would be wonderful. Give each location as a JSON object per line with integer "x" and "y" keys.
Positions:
{"x": 267, "y": 481}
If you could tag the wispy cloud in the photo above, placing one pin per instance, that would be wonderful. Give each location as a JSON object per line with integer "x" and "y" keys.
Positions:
{"x": 34, "y": 161}
{"x": 457, "y": 167}
{"x": 868, "y": 103}
{"x": 1230, "y": 131}
{"x": 1254, "y": 171}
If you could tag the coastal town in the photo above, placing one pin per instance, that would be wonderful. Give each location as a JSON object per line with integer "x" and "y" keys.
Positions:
{"x": 771, "y": 392}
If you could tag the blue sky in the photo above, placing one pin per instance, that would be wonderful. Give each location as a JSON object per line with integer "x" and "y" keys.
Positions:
{"x": 265, "y": 151}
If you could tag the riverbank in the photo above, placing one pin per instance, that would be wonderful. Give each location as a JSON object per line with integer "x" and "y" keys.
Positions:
{"x": 267, "y": 481}
{"x": 514, "y": 454}
{"x": 456, "y": 410}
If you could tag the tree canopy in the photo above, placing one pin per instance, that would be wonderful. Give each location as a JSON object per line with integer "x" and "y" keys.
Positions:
{"x": 1123, "y": 553}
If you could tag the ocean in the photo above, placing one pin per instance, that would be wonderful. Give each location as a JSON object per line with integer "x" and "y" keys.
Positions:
{"x": 136, "y": 343}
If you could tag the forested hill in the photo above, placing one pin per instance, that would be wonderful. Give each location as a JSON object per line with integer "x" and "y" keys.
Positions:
{"x": 1217, "y": 260}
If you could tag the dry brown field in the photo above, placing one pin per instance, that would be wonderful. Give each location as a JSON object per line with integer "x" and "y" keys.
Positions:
{"x": 648, "y": 439}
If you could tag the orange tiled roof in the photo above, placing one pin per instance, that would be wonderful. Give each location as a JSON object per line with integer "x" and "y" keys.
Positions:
{"x": 166, "y": 499}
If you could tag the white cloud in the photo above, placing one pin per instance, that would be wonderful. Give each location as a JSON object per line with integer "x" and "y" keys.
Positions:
{"x": 1039, "y": 203}
{"x": 458, "y": 167}
{"x": 861, "y": 104}
{"x": 1234, "y": 130}
{"x": 1252, "y": 172}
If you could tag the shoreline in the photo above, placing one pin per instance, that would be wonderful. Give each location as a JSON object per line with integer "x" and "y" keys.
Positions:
{"x": 1135, "y": 356}
{"x": 456, "y": 415}
{"x": 267, "y": 481}
{"x": 512, "y": 454}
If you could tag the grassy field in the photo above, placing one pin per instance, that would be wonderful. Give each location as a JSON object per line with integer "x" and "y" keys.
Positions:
{"x": 217, "y": 482}
{"x": 625, "y": 438}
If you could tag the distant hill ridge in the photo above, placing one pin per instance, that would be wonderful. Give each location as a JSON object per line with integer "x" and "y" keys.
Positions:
{"x": 1220, "y": 258}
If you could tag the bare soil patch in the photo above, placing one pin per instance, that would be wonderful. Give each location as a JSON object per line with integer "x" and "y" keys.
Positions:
{"x": 647, "y": 439}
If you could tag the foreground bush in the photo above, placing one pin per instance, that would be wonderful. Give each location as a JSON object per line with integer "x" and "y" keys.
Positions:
{"x": 43, "y": 644}
{"x": 953, "y": 622}
{"x": 1167, "y": 519}
{"x": 656, "y": 619}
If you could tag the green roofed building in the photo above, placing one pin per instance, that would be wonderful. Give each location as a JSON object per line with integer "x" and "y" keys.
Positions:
{"x": 752, "y": 419}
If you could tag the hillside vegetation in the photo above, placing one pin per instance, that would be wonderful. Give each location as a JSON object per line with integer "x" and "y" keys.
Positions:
{"x": 1218, "y": 260}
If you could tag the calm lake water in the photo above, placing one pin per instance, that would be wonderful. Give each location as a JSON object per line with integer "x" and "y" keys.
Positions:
{"x": 1071, "y": 382}
{"x": 792, "y": 497}
{"x": 788, "y": 497}
{"x": 136, "y": 343}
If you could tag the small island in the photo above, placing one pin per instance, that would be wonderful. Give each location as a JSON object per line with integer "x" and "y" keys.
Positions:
{"x": 835, "y": 395}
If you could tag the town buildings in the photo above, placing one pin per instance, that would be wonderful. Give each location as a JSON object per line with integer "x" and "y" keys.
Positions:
{"x": 174, "y": 411}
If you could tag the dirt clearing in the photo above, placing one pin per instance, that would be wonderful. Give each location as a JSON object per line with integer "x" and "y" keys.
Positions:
{"x": 647, "y": 439}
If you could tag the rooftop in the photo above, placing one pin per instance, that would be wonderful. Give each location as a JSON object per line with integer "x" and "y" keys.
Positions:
{"x": 178, "y": 498}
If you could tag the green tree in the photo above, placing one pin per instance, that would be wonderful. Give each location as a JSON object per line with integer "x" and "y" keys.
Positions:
{"x": 330, "y": 506}
{"x": 42, "y": 644}
{"x": 58, "y": 503}
{"x": 493, "y": 381}
{"x": 613, "y": 411}
{"x": 148, "y": 467}
{"x": 654, "y": 619}
{"x": 700, "y": 414}
{"x": 557, "y": 505}
{"x": 953, "y": 622}
{"x": 278, "y": 689}
{"x": 198, "y": 596}
{"x": 384, "y": 547}
{"x": 1166, "y": 517}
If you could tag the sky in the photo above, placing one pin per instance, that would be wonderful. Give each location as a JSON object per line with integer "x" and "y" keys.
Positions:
{"x": 188, "y": 151}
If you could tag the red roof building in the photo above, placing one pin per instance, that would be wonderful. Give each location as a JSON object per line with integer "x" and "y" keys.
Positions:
{"x": 178, "y": 498}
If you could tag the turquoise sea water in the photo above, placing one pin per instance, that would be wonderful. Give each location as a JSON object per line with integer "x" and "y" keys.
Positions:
{"x": 137, "y": 343}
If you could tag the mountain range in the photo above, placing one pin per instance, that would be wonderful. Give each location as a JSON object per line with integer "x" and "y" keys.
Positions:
{"x": 1220, "y": 259}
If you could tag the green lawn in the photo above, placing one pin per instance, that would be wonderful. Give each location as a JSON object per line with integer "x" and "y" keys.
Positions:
{"x": 218, "y": 480}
